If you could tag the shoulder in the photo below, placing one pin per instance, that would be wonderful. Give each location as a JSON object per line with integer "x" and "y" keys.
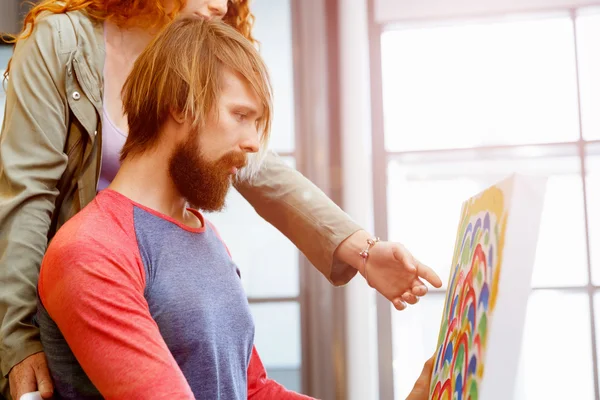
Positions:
{"x": 63, "y": 32}
{"x": 102, "y": 234}
{"x": 95, "y": 247}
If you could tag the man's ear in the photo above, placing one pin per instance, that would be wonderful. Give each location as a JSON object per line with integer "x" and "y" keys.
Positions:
{"x": 178, "y": 116}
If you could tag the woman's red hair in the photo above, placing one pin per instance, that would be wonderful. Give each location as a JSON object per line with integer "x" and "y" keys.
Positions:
{"x": 145, "y": 13}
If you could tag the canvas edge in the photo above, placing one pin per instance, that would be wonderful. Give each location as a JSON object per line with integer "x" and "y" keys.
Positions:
{"x": 500, "y": 365}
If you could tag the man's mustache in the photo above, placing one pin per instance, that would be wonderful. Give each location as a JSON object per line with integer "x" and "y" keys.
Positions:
{"x": 234, "y": 159}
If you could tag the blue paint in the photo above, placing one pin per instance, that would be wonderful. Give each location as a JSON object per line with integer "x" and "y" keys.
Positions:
{"x": 459, "y": 387}
{"x": 454, "y": 306}
{"x": 484, "y": 296}
{"x": 472, "y": 366}
{"x": 437, "y": 361}
{"x": 471, "y": 316}
{"x": 486, "y": 222}
{"x": 451, "y": 284}
{"x": 448, "y": 354}
{"x": 475, "y": 230}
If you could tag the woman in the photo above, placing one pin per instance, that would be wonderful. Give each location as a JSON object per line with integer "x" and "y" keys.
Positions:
{"x": 61, "y": 140}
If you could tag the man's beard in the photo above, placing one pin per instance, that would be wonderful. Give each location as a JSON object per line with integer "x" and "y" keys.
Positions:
{"x": 202, "y": 183}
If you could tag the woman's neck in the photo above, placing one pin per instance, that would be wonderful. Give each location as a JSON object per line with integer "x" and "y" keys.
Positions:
{"x": 130, "y": 42}
{"x": 123, "y": 46}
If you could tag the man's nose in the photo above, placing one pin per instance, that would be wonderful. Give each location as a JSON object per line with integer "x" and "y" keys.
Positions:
{"x": 251, "y": 144}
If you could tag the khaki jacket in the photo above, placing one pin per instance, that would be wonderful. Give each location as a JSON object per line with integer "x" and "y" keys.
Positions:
{"x": 50, "y": 157}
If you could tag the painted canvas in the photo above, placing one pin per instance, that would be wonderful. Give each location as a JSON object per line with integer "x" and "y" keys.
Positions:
{"x": 482, "y": 323}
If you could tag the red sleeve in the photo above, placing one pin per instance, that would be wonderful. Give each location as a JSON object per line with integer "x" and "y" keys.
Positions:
{"x": 94, "y": 291}
{"x": 261, "y": 387}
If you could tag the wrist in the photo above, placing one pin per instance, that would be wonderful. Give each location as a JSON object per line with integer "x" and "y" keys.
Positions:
{"x": 349, "y": 250}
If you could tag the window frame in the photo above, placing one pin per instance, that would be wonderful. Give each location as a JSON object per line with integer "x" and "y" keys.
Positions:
{"x": 318, "y": 144}
{"x": 377, "y": 24}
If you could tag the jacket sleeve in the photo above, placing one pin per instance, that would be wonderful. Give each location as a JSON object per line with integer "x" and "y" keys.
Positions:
{"x": 303, "y": 213}
{"x": 32, "y": 161}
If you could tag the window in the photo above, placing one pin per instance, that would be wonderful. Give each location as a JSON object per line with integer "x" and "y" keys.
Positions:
{"x": 2, "y": 97}
{"x": 267, "y": 260}
{"x": 479, "y": 84}
{"x": 5, "y": 53}
{"x": 466, "y": 103}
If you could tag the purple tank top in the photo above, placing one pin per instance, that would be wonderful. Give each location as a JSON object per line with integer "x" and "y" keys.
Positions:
{"x": 113, "y": 140}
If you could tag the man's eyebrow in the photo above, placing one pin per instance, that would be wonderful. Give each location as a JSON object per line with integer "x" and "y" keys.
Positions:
{"x": 246, "y": 108}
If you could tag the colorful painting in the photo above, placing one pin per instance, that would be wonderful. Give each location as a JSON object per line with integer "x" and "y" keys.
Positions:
{"x": 480, "y": 340}
{"x": 471, "y": 297}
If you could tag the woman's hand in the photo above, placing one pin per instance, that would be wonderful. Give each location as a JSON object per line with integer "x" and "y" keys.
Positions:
{"x": 390, "y": 268}
{"x": 421, "y": 389}
{"x": 30, "y": 375}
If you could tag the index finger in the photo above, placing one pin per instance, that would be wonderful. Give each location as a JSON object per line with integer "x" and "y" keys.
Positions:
{"x": 426, "y": 273}
{"x": 22, "y": 385}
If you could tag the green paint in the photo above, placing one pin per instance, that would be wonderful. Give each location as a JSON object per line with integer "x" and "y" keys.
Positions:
{"x": 443, "y": 331}
{"x": 460, "y": 358}
{"x": 473, "y": 390}
{"x": 446, "y": 369}
{"x": 466, "y": 255}
{"x": 482, "y": 329}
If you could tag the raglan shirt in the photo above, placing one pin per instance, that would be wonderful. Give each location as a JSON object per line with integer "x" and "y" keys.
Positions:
{"x": 134, "y": 305}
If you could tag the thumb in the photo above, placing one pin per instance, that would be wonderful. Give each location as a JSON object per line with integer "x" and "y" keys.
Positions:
{"x": 421, "y": 388}
{"x": 44, "y": 381}
{"x": 427, "y": 370}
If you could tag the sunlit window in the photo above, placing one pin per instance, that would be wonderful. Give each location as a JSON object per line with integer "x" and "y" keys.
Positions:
{"x": 5, "y": 53}
{"x": 464, "y": 105}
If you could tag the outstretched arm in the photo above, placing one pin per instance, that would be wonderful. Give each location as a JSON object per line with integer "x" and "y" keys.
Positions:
{"x": 328, "y": 237}
{"x": 303, "y": 213}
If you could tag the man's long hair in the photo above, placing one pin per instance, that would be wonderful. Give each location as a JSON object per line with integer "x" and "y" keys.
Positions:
{"x": 181, "y": 71}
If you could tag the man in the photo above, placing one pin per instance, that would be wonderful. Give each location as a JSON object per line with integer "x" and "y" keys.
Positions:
{"x": 138, "y": 296}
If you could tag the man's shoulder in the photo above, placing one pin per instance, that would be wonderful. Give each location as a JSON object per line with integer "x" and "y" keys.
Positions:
{"x": 99, "y": 230}
{"x": 99, "y": 242}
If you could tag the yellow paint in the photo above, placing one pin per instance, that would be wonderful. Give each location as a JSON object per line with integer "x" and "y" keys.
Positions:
{"x": 480, "y": 371}
{"x": 491, "y": 200}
